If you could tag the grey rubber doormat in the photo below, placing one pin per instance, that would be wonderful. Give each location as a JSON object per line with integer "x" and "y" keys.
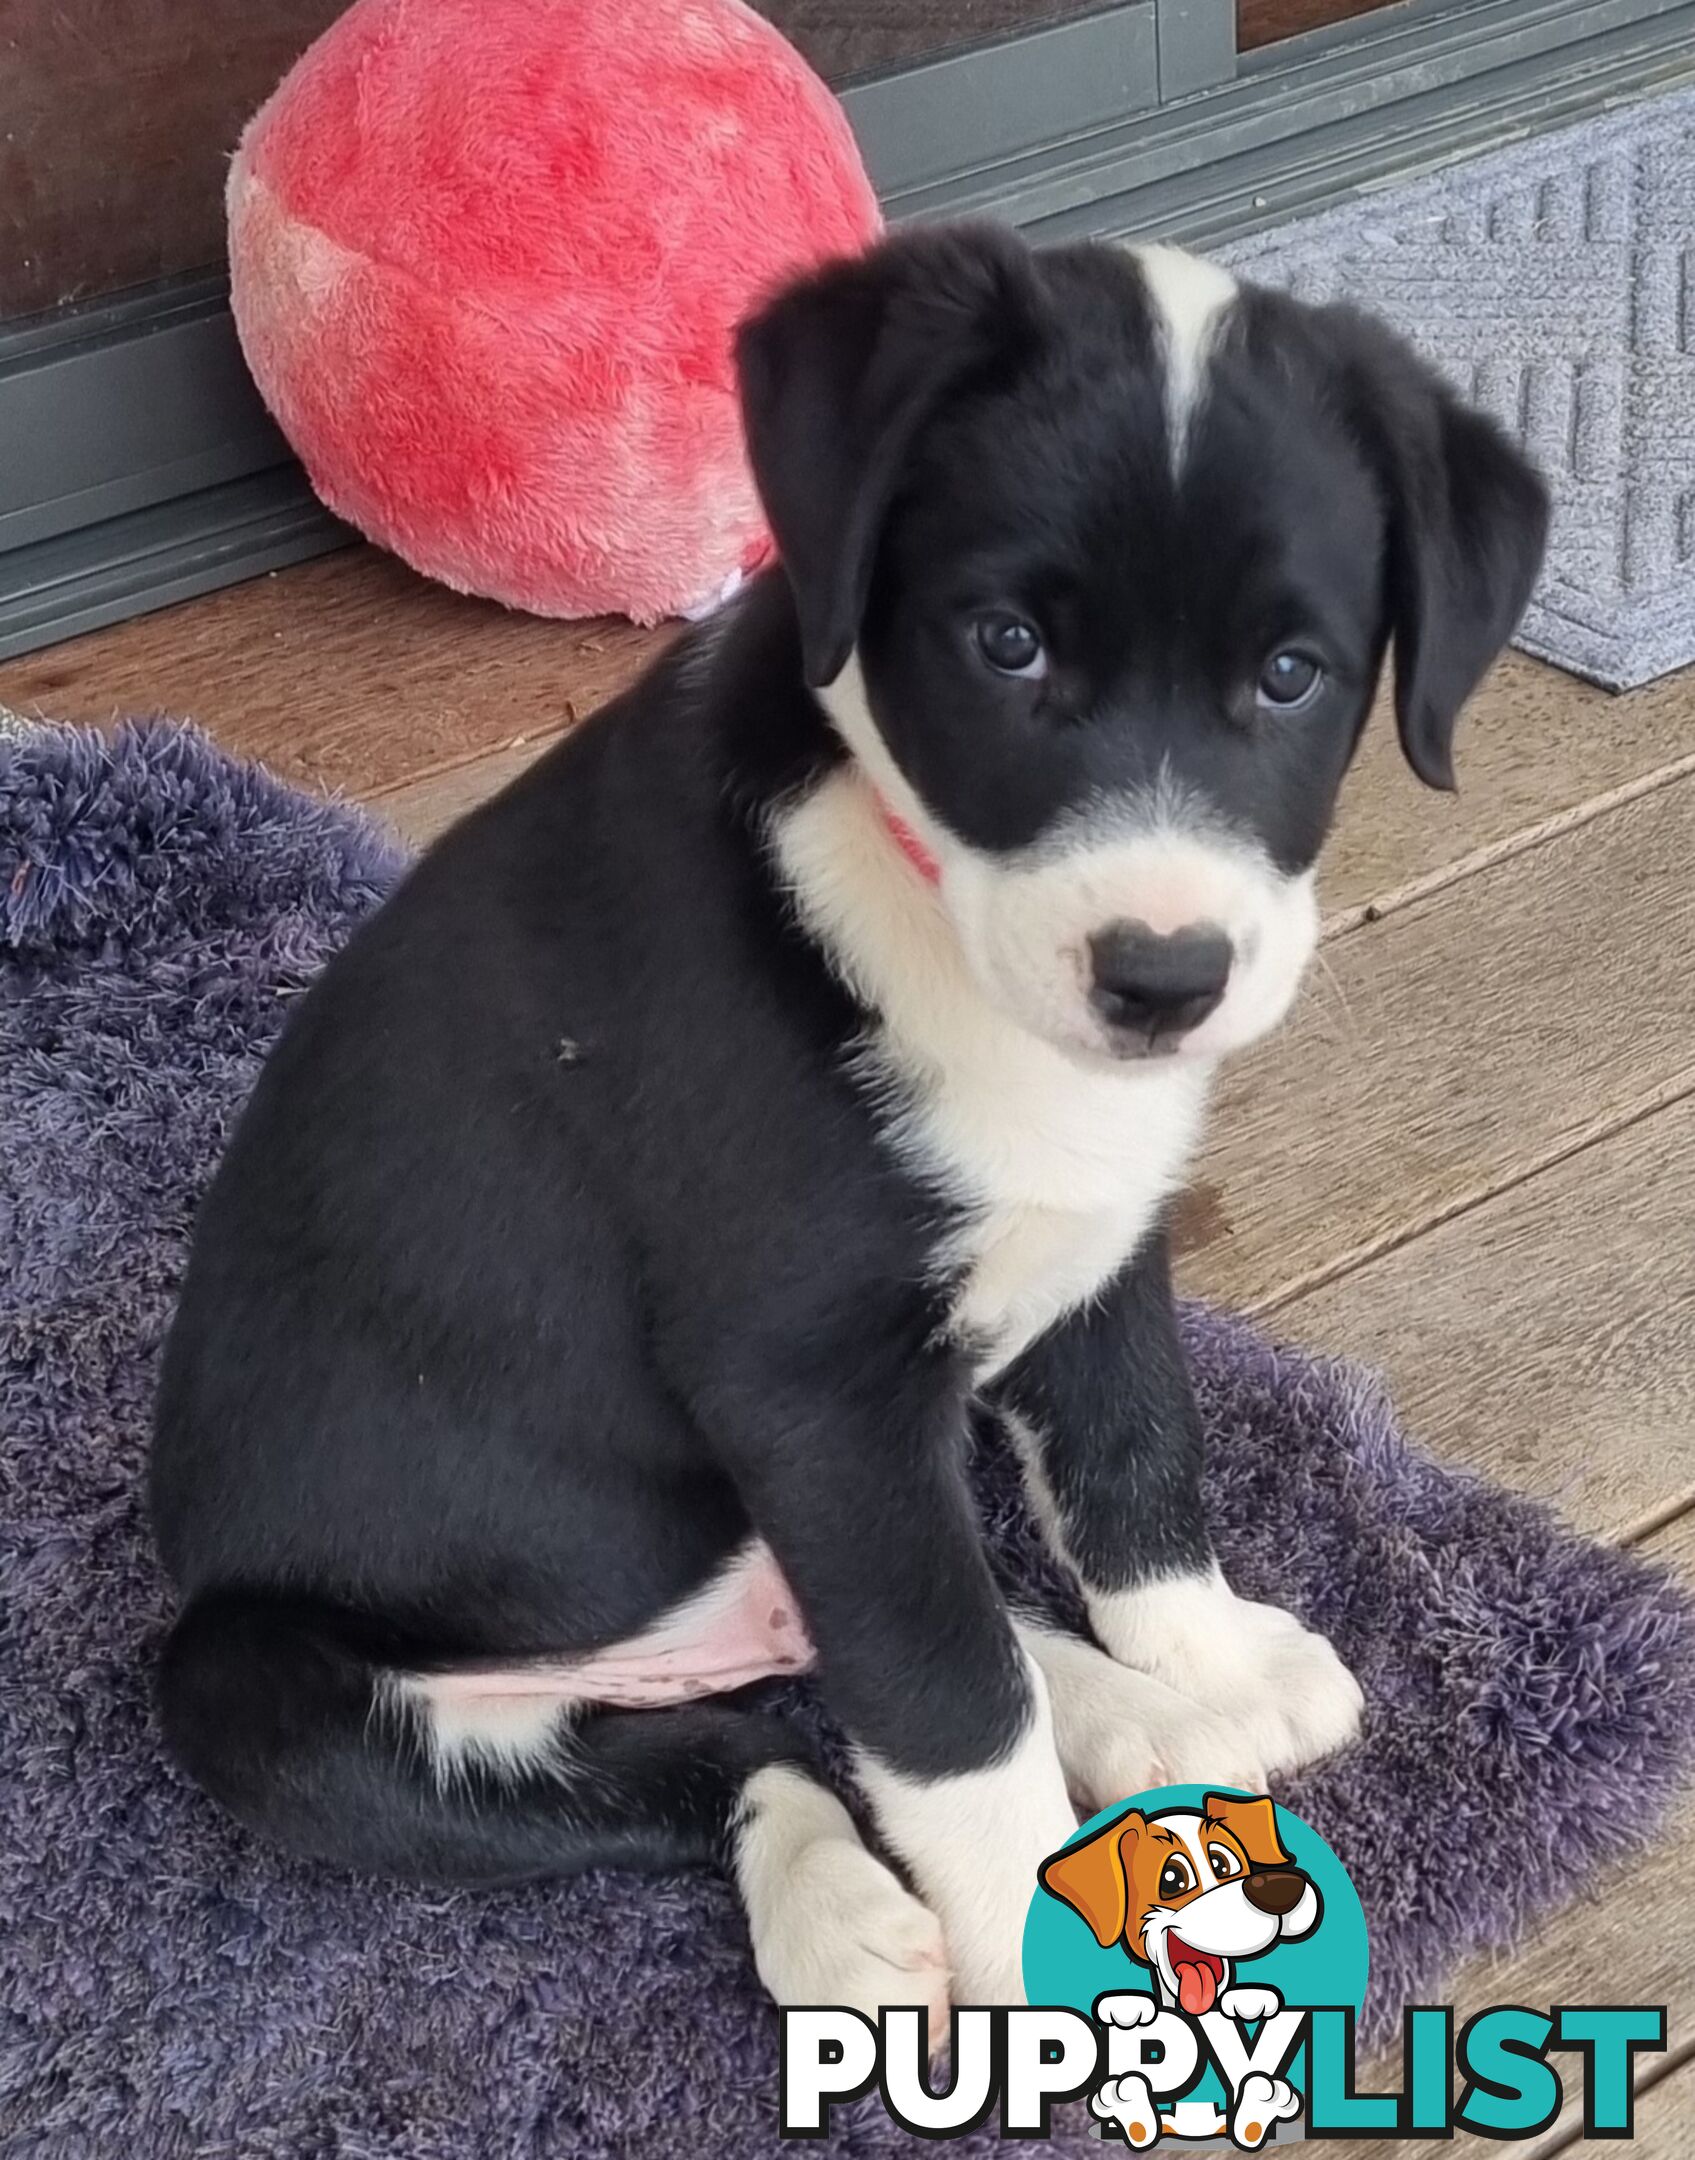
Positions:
{"x": 1555, "y": 282}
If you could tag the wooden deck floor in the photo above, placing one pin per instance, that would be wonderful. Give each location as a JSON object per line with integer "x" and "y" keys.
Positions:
{"x": 1470, "y": 1159}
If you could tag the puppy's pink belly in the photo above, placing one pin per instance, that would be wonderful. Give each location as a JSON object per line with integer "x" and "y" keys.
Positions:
{"x": 744, "y": 1628}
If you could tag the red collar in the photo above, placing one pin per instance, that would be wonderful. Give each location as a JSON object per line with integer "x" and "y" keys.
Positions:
{"x": 903, "y": 836}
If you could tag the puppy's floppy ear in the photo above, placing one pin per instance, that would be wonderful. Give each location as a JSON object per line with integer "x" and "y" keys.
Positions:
{"x": 1468, "y": 519}
{"x": 838, "y": 374}
{"x": 1253, "y": 1824}
{"x": 1091, "y": 1877}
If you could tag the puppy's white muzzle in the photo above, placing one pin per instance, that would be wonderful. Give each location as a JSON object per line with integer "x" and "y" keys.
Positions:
{"x": 1036, "y": 926}
{"x": 1160, "y": 942}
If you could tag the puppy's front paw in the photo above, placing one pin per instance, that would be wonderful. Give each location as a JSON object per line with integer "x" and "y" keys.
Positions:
{"x": 1282, "y": 1691}
{"x": 1128, "y": 2102}
{"x": 1260, "y": 2105}
{"x": 1120, "y": 1732}
{"x": 974, "y": 1843}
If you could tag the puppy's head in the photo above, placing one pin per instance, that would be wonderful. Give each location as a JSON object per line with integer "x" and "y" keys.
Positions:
{"x": 1188, "y": 1891}
{"x": 1096, "y": 556}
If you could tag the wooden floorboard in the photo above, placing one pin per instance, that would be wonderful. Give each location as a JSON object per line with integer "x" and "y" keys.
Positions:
{"x": 348, "y": 674}
{"x": 1539, "y": 753}
{"x": 423, "y": 808}
{"x": 1665, "y": 2124}
{"x": 1547, "y": 1338}
{"x": 1451, "y": 1050}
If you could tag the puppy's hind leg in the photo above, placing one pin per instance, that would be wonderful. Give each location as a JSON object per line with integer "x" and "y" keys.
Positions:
{"x": 830, "y": 1923}
{"x": 281, "y": 1711}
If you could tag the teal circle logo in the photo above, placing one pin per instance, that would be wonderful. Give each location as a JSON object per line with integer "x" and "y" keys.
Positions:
{"x": 1209, "y": 1905}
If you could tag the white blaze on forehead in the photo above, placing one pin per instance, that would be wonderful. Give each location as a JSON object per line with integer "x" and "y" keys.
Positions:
{"x": 1190, "y": 298}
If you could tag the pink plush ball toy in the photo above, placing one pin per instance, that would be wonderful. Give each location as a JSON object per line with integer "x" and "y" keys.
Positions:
{"x": 486, "y": 260}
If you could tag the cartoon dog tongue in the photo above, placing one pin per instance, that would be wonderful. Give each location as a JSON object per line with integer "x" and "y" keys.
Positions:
{"x": 1197, "y": 1978}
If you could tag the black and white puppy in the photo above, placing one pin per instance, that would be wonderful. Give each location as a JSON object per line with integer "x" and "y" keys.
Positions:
{"x": 587, "y": 1316}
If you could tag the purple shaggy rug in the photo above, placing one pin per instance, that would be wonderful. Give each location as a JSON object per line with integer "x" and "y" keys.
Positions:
{"x": 167, "y": 1987}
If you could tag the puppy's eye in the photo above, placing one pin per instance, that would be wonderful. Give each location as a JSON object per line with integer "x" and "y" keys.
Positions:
{"x": 1011, "y": 646}
{"x": 1175, "y": 1877}
{"x": 1224, "y": 1862}
{"x": 1288, "y": 680}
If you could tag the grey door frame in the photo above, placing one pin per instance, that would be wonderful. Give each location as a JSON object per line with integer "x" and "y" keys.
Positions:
{"x": 142, "y": 467}
{"x": 1331, "y": 115}
{"x": 930, "y": 123}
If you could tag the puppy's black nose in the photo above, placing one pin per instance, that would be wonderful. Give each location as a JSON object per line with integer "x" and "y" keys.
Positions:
{"x": 1274, "y": 1890}
{"x": 1158, "y": 986}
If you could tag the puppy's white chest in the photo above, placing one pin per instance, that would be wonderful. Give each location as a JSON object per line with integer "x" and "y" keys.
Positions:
{"x": 1027, "y": 1268}
{"x": 1059, "y": 1167}
{"x": 1059, "y": 1204}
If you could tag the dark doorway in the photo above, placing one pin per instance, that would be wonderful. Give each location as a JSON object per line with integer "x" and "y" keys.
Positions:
{"x": 1268, "y": 22}
{"x": 119, "y": 118}
{"x": 848, "y": 38}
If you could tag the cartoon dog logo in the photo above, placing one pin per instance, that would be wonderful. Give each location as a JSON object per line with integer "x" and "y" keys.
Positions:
{"x": 1192, "y": 1893}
